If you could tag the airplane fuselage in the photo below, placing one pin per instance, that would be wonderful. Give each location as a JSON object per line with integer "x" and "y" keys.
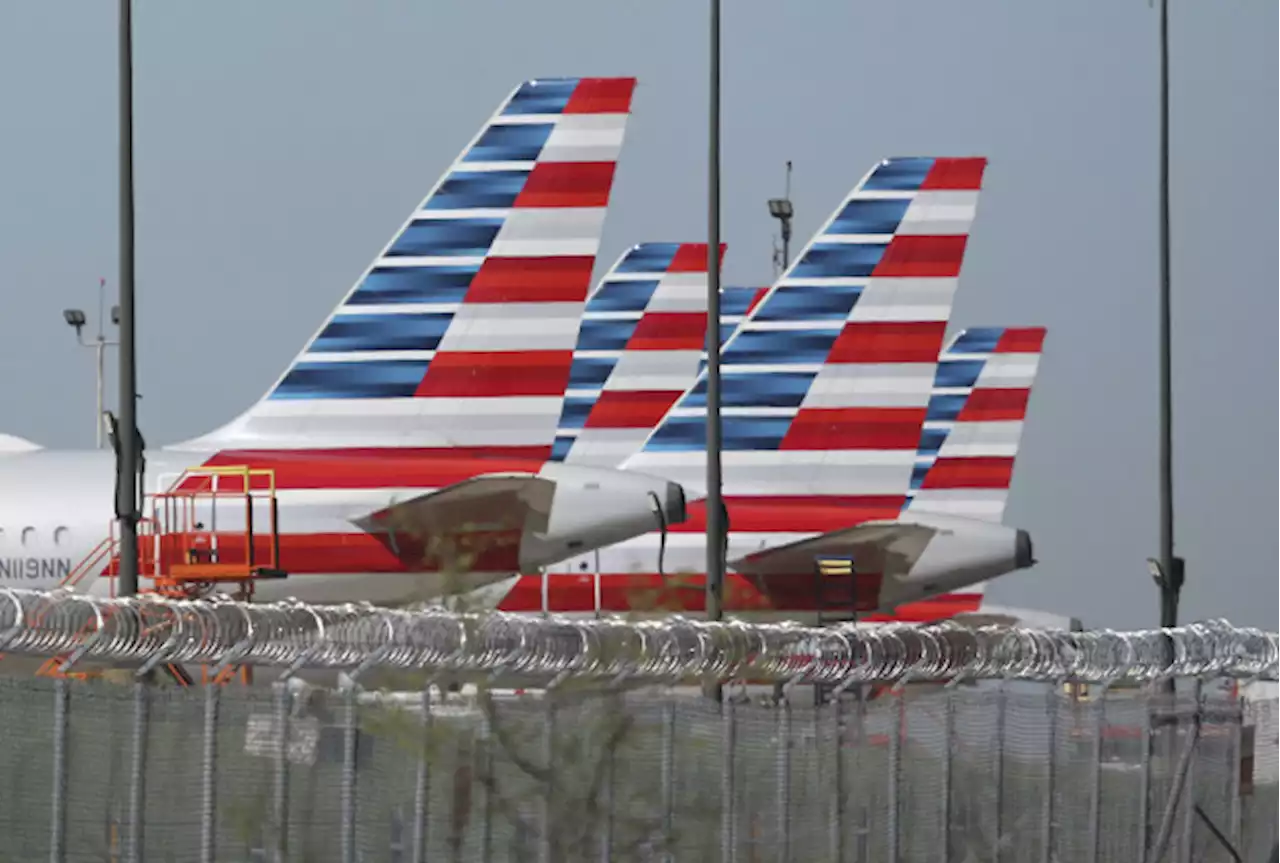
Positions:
{"x": 645, "y": 574}
{"x": 57, "y": 509}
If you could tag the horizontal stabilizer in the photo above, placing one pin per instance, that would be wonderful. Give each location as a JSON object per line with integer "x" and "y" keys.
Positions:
{"x": 888, "y": 547}
{"x": 477, "y": 523}
{"x": 482, "y": 503}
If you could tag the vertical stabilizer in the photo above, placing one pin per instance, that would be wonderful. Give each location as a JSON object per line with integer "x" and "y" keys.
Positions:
{"x": 826, "y": 383}
{"x": 461, "y": 331}
{"x": 642, "y": 337}
{"x": 976, "y": 415}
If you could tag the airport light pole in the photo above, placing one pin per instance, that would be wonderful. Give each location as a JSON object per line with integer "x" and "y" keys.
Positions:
{"x": 1171, "y": 568}
{"x": 127, "y": 464}
{"x": 76, "y": 318}
{"x": 782, "y": 210}
{"x": 716, "y": 515}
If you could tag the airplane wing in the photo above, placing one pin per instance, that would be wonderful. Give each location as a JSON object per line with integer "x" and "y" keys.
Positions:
{"x": 889, "y": 547}
{"x": 479, "y": 519}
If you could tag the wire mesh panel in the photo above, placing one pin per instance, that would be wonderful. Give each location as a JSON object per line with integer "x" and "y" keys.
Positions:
{"x": 971, "y": 773}
{"x": 996, "y": 762}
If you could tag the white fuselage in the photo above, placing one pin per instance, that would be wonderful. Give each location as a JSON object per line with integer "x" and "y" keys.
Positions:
{"x": 57, "y": 508}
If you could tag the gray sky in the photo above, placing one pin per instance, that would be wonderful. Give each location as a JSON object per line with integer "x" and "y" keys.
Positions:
{"x": 279, "y": 144}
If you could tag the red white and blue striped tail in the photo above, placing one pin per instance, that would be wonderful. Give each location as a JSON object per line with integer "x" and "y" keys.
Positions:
{"x": 964, "y": 465}
{"x": 970, "y": 441}
{"x": 642, "y": 339}
{"x": 826, "y": 383}
{"x": 461, "y": 332}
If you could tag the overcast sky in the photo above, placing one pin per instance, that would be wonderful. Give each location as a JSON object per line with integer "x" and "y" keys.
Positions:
{"x": 279, "y": 144}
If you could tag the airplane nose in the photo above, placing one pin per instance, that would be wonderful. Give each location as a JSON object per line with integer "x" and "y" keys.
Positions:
{"x": 676, "y": 508}
{"x": 1023, "y": 555}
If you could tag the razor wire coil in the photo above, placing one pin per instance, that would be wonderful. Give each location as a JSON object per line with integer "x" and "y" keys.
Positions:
{"x": 294, "y": 635}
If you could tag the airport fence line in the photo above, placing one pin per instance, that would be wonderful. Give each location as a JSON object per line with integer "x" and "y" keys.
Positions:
{"x": 936, "y": 743}
{"x": 1013, "y": 771}
{"x": 151, "y": 631}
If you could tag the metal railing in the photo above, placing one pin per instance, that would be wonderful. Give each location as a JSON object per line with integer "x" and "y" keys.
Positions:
{"x": 291, "y": 635}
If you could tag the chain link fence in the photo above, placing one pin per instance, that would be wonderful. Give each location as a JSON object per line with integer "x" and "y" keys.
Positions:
{"x": 990, "y": 771}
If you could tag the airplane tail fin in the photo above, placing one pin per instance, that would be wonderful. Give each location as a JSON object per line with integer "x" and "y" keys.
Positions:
{"x": 13, "y": 444}
{"x": 461, "y": 332}
{"x": 643, "y": 334}
{"x": 976, "y": 413}
{"x": 735, "y": 304}
{"x": 825, "y": 384}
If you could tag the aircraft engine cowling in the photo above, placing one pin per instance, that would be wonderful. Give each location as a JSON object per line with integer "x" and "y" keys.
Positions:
{"x": 962, "y": 553}
{"x": 595, "y": 507}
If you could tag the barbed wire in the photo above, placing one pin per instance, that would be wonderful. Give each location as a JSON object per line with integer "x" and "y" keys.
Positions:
{"x": 150, "y": 630}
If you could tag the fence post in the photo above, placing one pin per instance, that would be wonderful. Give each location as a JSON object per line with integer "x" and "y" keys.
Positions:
{"x": 837, "y": 777}
{"x": 668, "y": 775}
{"x": 728, "y": 743}
{"x": 137, "y": 764}
{"x": 58, "y": 815}
{"x": 1144, "y": 780}
{"x": 1046, "y": 823}
{"x": 347, "y": 791}
{"x": 208, "y": 767}
{"x": 545, "y": 814}
{"x": 895, "y": 763}
{"x": 1175, "y": 795}
{"x": 949, "y": 734}
{"x": 1189, "y": 786}
{"x": 1095, "y": 781}
{"x": 606, "y": 781}
{"x": 483, "y": 755}
{"x": 864, "y": 820}
{"x": 1237, "y": 744}
{"x": 783, "y": 756}
{"x": 280, "y": 781}
{"x": 422, "y": 782}
{"x": 1001, "y": 707}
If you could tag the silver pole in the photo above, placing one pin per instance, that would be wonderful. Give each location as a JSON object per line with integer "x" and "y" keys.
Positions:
{"x": 127, "y": 506}
{"x": 1046, "y": 823}
{"x": 895, "y": 765}
{"x": 97, "y": 419}
{"x": 1002, "y": 698}
{"x": 137, "y": 772}
{"x": 1095, "y": 781}
{"x": 949, "y": 734}
{"x": 280, "y": 782}
{"x": 58, "y": 815}
{"x": 422, "y": 783}
{"x": 348, "y": 789}
{"x": 783, "y": 766}
{"x": 715, "y": 502}
{"x": 728, "y": 817}
{"x": 668, "y": 776}
{"x": 208, "y": 775}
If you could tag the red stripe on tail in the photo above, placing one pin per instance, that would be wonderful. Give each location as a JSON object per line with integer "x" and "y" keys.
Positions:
{"x": 567, "y": 184}
{"x": 494, "y": 374}
{"x": 531, "y": 280}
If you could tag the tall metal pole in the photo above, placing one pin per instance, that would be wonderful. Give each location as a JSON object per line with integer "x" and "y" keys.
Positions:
{"x": 97, "y": 420}
{"x": 786, "y": 224}
{"x": 102, "y": 349}
{"x": 127, "y": 505}
{"x": 715, "y": 501}
{"x": 1172, "y": 566}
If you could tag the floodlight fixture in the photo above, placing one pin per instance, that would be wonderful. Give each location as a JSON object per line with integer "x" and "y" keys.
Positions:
{"x": 1156, "y": 570}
